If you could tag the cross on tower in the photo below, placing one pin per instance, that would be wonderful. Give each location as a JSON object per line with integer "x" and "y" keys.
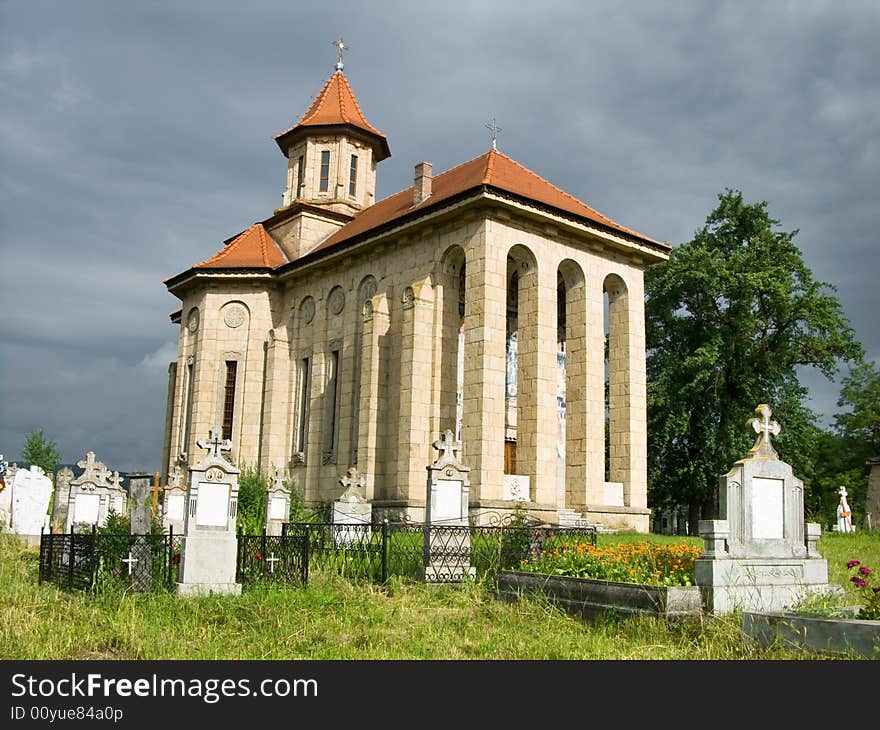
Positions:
{"x": 215, "y": 444}
{"x": 764, "y": 427}
{"x": 340, "y": 47}
{"x": 494, "y": 128}
{"x": 447, "y": 446}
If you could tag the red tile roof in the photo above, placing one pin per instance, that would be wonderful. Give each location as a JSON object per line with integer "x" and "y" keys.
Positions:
{"x": 493, "y": 169}
{"x": 336, "y": 105}
{"x": 253, "y": 249}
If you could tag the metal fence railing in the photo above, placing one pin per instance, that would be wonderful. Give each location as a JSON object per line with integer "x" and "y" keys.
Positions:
{"x": 279, "y": 558}
{"x": 88, "y": 560}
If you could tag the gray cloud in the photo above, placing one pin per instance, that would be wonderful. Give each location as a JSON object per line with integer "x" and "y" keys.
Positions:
{"x": 135, "y": 137}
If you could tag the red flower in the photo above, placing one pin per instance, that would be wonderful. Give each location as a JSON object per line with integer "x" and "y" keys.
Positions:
{"x": 258, "y": 556}
{"x": 876, "y": 589}
{"x": 865, "y": 571}
{"x": 852, "y": 563}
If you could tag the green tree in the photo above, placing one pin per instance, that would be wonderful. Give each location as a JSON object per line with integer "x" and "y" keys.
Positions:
{"x": 729, "y": 318}
{"x": 40, "y": 452}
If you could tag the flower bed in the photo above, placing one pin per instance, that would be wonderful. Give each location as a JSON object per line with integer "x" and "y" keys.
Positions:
{"x": 588, "y": 597}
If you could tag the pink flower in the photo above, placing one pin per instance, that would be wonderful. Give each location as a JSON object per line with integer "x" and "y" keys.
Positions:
{"x": 852, "y": 563}
{"x": 860, "y": 583}
{"x": 865, "y": 571}
{"x": 876, "y": 589}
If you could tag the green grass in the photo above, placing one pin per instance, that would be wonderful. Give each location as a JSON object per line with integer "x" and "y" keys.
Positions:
{"x": 333, "y": 619}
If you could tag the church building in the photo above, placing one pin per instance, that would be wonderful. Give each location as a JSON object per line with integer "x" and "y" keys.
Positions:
{"x": 342, "y": 331}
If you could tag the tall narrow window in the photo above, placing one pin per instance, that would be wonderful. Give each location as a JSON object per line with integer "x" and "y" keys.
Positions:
{"x": 302, "y": 433}
{"x": 300, "y": 175}
{"x": 229, "y": 399}
{"x": 325, "y": 171}
{"x": 333, "y": 383}
{"x": 352, "y": 175}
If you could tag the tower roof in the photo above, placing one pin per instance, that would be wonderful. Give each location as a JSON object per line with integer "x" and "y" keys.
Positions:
{"x": 252, "y": 249}
{"x": 335, "y": 106}
{"x": 491, "y": 170}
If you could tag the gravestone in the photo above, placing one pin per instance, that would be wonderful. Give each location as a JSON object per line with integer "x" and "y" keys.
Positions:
{"x": 91, "y": 495}
{"x": 844, "y": 512}
{"x": 210, "y": 545}
{"x": 174, "y": 502}
{"x": 5, "y": 495}
{"x": 31, "y": 492}
{"x": 63, "y": 477}
{"x": 447, "y": 551}
{"x": 351, "y": 508}
{"x": 277, "y": 505}
{"x": 760, "y": 554}
{"x": 140, "y": 515}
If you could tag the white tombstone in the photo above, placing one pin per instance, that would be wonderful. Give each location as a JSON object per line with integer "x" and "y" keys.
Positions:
{"x": 174, "y": 503}
{"x": 448, "y": 557}
{"x": 516, "y": 487}
{"x": 760, "y": 554}
{"x": 350, "y": 510}
{"x": 277, "y": 504}
{"x": 91, "y": 495}
{"x": 844, "y": 512}
{"x": 210, "y": 545}
{"x": 31, "y": 492}
{"x": 63, "y": 478}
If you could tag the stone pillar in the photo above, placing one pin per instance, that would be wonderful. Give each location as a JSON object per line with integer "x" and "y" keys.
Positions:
{"x": 576, "y": 402}
{"x": 536, "y": 382}
{"x": 62, "y": 498}
{"x": 274, "y": 429}
{"x": 371, "y": 427}
{"x": 415, "y": 390}
{"x": 484, "y": 364}
{"x": 595, "y": 394}
{"x": 140, "y": 513}
{"x": 635, "y": 485}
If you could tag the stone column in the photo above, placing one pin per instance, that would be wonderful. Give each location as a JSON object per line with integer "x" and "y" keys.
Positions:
{"x": 635, "y": 484}
{"x": 275, "y": 428}
{"x": 595, "y": 394}
{"x": 536, "y": 382}
{"x": 416, "y": 347}
{"x": 140, "y": 513}
{"x": 576, "y": 402}
{"x": 484, "y": 363}
{"x": 371, "y": 427}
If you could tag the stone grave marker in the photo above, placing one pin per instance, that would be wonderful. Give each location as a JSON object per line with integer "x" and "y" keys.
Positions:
{"x": 447, "y": 555}
{"x": 89, "y": 499}
{"x": 140, "y": 515}
{"x": 277, "y": 504}
{"x": 63, "y": 477}
{"x": 174, "y": 502}
{"x": 31, "y": 492}
{"x": 760, "y": 554}
{"x": 210, "y": 545}
{"x": 351, "y": 508}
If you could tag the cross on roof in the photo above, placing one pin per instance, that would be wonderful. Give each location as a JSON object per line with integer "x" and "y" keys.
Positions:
{"x": 764, "y": 427}
{"x": 447, "y": 446}
{"x": 494, "y": 128}
{"x": 215, "y": 444}
{"x": 340, "y": 47}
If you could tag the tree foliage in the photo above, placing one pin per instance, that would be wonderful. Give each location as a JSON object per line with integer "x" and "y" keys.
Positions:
{"x": 40, "y": 452}
{"x": 729, "y": 318}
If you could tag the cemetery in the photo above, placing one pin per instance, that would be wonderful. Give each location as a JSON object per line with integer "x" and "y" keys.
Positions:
{"x": 755, "y": 564}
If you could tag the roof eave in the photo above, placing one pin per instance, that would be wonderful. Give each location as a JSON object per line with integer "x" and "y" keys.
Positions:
{"x": 379, "y": 143}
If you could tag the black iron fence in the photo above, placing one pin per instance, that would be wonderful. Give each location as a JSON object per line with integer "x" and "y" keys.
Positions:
{"x": 281, "y": 558}
{"x": 91, "y": 560}
{"x": 433, "y": 553}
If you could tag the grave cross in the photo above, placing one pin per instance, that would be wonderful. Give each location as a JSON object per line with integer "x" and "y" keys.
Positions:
{"x": 272, "y": 560}
{"x": 764, "y": 427}
{"x": 116, "y": 480}
{"x": 447, "y": 445}
{"x": 130, "y": 560}
{"x": 278, "y": 479}
{"x": 95, "y": 471}
{"x": 215, "y": 444}
{"x": 154, "y": 491}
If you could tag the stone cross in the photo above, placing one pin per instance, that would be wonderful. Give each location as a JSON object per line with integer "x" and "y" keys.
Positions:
{"x": 272, "y": 560}
{"x": 278, "y": 479}
{"x": 175, "y": 478}
{"x": 116, "y": 480}
{"x": 130, "y": 560}
{"x": 494, "y": 128}
{"x": 95, "y": 471}
{"x": 215, "y": 444}
{"x": 447, "y": 445}
{"x": 353, "y": 482}
{"x": 765, "y": 428}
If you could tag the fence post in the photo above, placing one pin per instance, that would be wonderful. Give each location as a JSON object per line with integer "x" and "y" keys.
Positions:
{"x": 170, "y": 557}
{"x": 40, "y": 571}
{"x": 51, "y": 556}
{"x": 385, "y": 550}
{"x": 93, "y": 559}
{"x": 70, "y": 560}
{"x": 263, "y": 553}
{"x": 306, "y": 539}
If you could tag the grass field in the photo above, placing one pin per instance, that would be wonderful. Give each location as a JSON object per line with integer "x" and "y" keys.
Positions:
{"x": 333, "y": 619}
